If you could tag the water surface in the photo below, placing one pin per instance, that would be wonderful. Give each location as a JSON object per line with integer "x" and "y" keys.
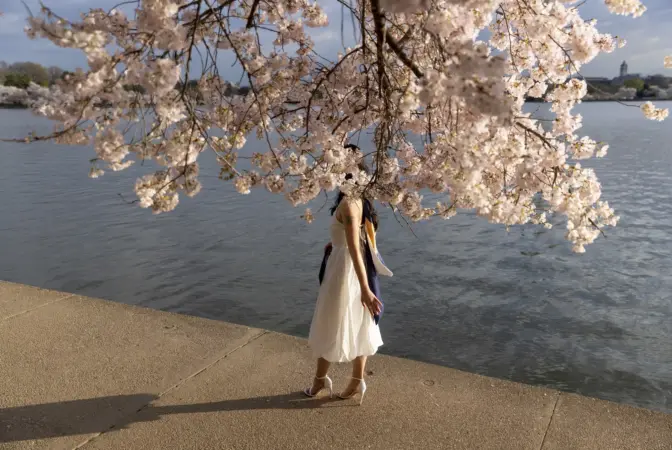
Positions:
{"x": 466, "y": 294}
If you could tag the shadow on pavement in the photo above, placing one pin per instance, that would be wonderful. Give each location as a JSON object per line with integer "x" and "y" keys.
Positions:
{"x": 102, "y": 414}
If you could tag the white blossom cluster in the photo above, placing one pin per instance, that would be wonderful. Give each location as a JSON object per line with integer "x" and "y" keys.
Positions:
{"x": 417, "y": 70}
{"x": 633, "y": 8}
{"x": 653, "y": 113}
{"x": 34, "y": 95}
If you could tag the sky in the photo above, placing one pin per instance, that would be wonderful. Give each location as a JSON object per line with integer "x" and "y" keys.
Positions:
{"x": 649, "y": 37}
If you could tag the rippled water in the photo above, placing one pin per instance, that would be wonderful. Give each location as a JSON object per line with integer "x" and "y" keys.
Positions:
{"x": 466, "y": 294}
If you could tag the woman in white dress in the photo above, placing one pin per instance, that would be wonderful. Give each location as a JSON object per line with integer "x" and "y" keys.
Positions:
{"x": 343, "y": 327}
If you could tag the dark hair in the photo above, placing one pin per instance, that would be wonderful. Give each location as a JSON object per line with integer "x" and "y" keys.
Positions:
{"x": 369, "y": 210}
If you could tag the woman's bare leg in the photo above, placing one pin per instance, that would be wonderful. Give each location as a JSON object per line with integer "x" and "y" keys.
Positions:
{"x": 320, "y": 372}
{"x": 358, "y": 367}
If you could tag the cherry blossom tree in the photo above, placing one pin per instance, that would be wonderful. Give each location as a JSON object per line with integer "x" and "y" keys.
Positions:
{"x": 417, "y": 70}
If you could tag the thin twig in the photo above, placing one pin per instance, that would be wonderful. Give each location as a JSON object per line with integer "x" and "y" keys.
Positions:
{"x": 126, "y": 201}
{"x": 598, "y": 228}
{"x": 394, "y": 213}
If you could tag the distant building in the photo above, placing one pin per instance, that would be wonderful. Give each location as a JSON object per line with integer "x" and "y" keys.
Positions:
{"x": 658, "y": 80}
{"x": 624, "y": 75}
{"x": 602, "y": 88}
{"x": 624, "y": 70}
{"x": 597, "y": 80}
{"x": 631, "y": 76}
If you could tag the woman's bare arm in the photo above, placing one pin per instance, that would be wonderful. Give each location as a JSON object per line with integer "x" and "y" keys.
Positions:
{"x": 351, "y": 217}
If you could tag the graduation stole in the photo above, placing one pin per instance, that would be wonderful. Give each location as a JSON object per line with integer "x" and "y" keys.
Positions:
{"x": 370, "y": 234}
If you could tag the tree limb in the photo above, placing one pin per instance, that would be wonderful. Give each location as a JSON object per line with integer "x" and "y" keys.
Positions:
{"x": 402, "y": 56}
{"x": 250, "y": 18}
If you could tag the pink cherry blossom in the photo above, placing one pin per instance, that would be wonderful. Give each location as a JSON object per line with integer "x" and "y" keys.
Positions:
{"x": 444, "y": 109}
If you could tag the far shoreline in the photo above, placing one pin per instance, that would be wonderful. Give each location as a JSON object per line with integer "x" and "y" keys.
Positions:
{"x": 12, "y": 106}
{"x": 23, "y": 107}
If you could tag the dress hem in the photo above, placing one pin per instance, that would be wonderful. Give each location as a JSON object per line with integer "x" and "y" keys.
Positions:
{"x": 345, "y": 360}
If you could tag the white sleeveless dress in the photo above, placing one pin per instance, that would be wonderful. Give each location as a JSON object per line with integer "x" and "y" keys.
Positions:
{"x": 342, "y": 328}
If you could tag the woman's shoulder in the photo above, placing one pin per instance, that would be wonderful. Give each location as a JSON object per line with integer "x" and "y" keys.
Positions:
{"x": 352, "y": 203}
{"x": 349, "y": 206}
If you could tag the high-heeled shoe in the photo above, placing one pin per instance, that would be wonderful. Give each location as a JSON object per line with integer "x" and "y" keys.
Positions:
{"x": 327, "y": 385}
{"x": 360, "y": 389}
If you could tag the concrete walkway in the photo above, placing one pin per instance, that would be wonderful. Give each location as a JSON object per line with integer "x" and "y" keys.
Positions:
{"x": 78, "y": 372}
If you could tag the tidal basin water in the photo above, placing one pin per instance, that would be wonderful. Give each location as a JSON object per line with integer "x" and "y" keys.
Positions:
{"x": 466, "y": 294}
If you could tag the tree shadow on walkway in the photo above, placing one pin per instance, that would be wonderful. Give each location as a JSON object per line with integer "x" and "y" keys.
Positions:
{"x": 102, "y": 414}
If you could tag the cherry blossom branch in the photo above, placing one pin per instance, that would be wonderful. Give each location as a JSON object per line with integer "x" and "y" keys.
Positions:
{"x": 479, "y": 149}
{"x": 253, "y": 10}
{"x": 378, "y": 20}
{"x": 402, "y": 56}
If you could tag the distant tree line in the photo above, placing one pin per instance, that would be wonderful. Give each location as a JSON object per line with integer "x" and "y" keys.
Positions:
{"x": 653, "y": 86}
{"x": 21, "y": 74}
{"x": 645, "y": 88}
{"x": 192, "y": 89}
